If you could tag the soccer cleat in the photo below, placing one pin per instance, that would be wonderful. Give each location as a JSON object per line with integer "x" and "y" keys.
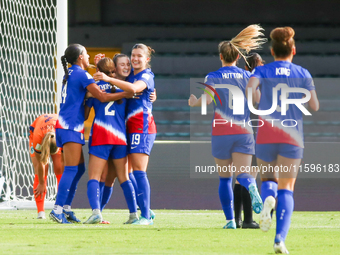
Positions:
{"x": 143, "y": 221}
{"x": 238, "y": 223}
{"x": 71, "y": 216}
{"x": 94, "y": 219}
{"x": 252, "y": 225}
{"x": 104, "y": 222}
{"x": 266, "y": 214}
{"x": 230, "y": 225}
{"x": 132, "y": 219}
{"x": 41, "y": 215}
{"x": 59, "y": 218}
{"x": 256, "y": 200}
{"x": 280, "y": 247}
{"x": 152, "y": 214}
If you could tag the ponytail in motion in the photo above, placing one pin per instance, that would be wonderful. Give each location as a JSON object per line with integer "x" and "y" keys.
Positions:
{"x": 48, "y": 147}
{"x": 248, "y": 39}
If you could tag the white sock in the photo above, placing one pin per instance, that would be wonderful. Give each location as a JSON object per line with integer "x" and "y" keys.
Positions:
{"x": 58, "y": 209}
{"x": 67, "y": 208}
{"x": 96, "y": 211}
{"x": 230, "y": 220}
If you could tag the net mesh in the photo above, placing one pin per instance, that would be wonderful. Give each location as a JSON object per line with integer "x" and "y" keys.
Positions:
{"x": 28, "y": 30}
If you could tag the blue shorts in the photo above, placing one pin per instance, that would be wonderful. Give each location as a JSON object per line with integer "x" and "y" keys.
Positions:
{"x": 140, "y": 143}
{"x": 65, "y": 136}
{"x": 268, "y": 152}
{"x": 222, "y": 146}
{"x": 108, "y": 151}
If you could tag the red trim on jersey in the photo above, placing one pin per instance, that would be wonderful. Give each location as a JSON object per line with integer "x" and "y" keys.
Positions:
{"x": 272, "y": 134}
{"x": 227, "y": 128}
{"x": 134, "y": 124}
{"x": 151, "y": 125}
{"x": 102, "y": 136}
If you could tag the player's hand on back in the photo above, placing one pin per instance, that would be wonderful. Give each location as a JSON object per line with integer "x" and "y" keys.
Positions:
{"x": 153, "y": 96}
{"x": 98, "y": 57}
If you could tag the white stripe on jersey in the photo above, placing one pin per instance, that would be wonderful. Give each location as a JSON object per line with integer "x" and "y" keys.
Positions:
{"x": 235, "y": 122}
{"x": 112, "y": 130}
{"x": 79, "y": 128}
{"x": 62, "y": 122}
{"x": 134, "y": 113}
{"x": 291, "y": 131}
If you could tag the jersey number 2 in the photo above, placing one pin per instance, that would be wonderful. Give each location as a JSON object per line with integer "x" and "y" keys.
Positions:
{"x": 107, "y": 109}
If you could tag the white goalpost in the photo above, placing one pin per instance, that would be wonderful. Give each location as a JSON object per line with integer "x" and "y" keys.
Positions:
{"x": 33, "y": 37}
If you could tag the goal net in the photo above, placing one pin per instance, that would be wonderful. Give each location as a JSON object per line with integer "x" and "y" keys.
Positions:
{"x": 28, "y": 89}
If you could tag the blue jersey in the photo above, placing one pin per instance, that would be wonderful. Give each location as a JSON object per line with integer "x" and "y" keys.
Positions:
{"x": 71, "y": 114}
{"x": 139, "y": 112}
{"x": 278, "y": 128}
{"x": 109, "y": 122}
{"x": 224, "y": 121}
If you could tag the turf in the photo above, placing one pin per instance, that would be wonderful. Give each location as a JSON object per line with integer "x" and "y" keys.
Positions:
{"x": 174, "y": 232}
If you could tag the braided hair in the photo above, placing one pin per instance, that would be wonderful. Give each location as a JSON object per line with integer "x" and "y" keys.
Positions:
{"x": 71, "y": 55}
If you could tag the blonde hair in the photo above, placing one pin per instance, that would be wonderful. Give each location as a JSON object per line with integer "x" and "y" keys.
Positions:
{"x": 248, "y": 39}
{"x": 282, "y": 41}
{"x": 48, "y": 147}
{"x": 147, "y": 50}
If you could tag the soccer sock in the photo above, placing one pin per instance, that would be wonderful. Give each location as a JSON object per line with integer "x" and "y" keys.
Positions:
{"x": 268, "y": 188}
{"x": 65, "y": 184}
{"x": 107, "y": 192}
{"x": 238, "y": 200}
{"x": 225, "y": 191}
{"x": 73, "y": 188}
{"x": 245, "y": 180}
{"x": 130, "y": 197}
{"x": 101, "y": 189}
{"x": 38, "y": 200}
{"x": 134, "y": 183}
{"x": 143, "y": 193}
{"x": 93, "y": 193}
{"x": 58, "y": 176}
{"x": 247, "y": 207}
{"x": 284, "y": 211}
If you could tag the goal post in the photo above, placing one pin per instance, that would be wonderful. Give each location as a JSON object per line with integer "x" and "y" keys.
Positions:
{"x": 33, "y": 37}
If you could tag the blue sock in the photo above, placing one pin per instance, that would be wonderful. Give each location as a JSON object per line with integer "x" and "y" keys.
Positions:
{"x": 93, "y": 193}
{"x": 65, "y": 184}
{"x": 143, "y": 193}
{"x": 130, "y": 196}
{"x": 284, "y": 211}
{"x": 73, "y": 188}
{"x": 134, "y": 183}
{"x": 245, "y": 180}
{"x": 226, "y": 193}
{"x": 268, "y": 188}
{"x": 101, "y": 189}
{"x": 107, "y": 192}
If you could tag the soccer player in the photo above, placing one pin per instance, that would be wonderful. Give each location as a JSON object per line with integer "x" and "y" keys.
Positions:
{"x": 70, "y": 126}
{"x": 108, "y": 141}
{"x": 42, "y": 146}
{"x": 232, "y": 143}
{"x": 241, "y": 195}
{"x": 141, "y": 127}
{"x": 279, "y": 141}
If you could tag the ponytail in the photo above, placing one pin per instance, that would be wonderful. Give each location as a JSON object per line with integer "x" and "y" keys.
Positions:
{"x": 64, "y": 63}
{"x": 248, "y": 39}
{"x": 48, "y": 147}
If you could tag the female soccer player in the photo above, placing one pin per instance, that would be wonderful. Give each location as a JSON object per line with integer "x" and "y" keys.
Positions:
{"x": 108, "y": 140}
{"x": 233, "y": 144}
{"x": 141, "y": 127}
{"x": 42, "y": 146}
{"x": 70, "y": 126}
{"x": 241, "y": 194}
{"x": 279, "y": 140}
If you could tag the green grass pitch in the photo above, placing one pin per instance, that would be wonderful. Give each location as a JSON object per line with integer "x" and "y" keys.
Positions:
{"x": 173, "y": 232}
